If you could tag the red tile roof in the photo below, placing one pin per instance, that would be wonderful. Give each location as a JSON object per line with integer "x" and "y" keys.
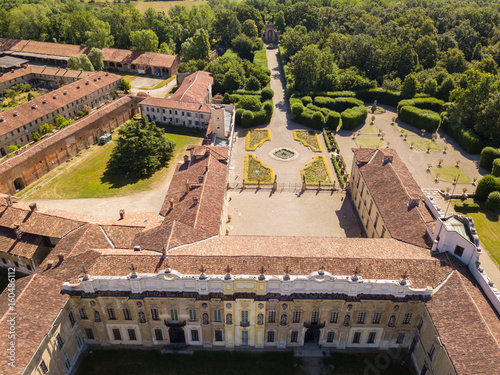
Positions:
{"x": 176, "y": 104}
{"x": 25, "y": 113}
{"x": 194, "y": 88}
{"x": 28, "y": 73}
{"x": 24, "y": 247}
{"x": 392, "y": 186}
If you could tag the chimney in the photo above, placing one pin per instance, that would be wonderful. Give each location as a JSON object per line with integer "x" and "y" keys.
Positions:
{"x": 60, "y": 257}
{"x": 171, "y": 203}
{"x": 122, "y": 214}
{"x": 195, "y": 200}
{"x": 50, "y": 263}
{"x": 18, "y": 231}
{"x": 15, "y": 113}
{"x": 186, "y": 159}
{"x": 33, "y": 207}
{"x": 388, "y": 159}
{"x": 137, "y": 248}
{"x": 9, "y": 201}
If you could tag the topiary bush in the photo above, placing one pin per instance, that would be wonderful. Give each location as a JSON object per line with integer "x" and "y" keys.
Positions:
{"x": 487, "y": 185}
{"x": 353, "y": 117}
{"x": 306, "y": 100}
{"x": 432, "y": 104}
{"x": 267, "y": 93}
{"x": 495, "y": 171}
{"x": 488, "y": 155}
{"x": 382, "y": 96}
{"x": 420, "y": 118}
{"x": 247, "y": 118}
{"x": 493, "y": 201}
{"x": 332, "y": 120}
{"x": 337, "y": 104}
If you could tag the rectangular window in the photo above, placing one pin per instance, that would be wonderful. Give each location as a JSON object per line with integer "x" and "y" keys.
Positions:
{"x": 60, "y": 342}
{"x": 401, "y": 338}
{"x": 89, "y": 333}
{"x": 217, "y": 316}
{"x": 270, "y": 336}
{"x": 295, "y": 336}
{"x": 116, "y": 334}
{"x": 155, "y": 314}
{"x": 459, "y": 250}
{"x": 376, "y": 221}
{"x": 111, "y": 314}
{"x": 244, "y": 317}
{"x": 376, "y": 317}
{"x": 420, "y": 324}
{"x": 356, "y": 338}
{"x": 371, "y": 337}
{"x": 173, "y": 315}
{"x": 361, "y": 317}
{"x": 71, "y": 318}
{"x": 195, "y": 335}
{"x": 126, "y": 314}
{"x": 44, "y": 367}
{"x": 79, "y": 340}
{"x": 159, "y": 334}
{"x": 370, "y": 210}
{"x": 192, "y": 315}
{"x": 271, "y": 318}
{"x": 334, "y": 317}
{"x": 315, "y": 317}
{"x": 432, "y": 351}
{"x": 296, "y": 316}
{"x": 131, "y": 335}
{"x": 218, "y": 335}
{"x": 330, "y": 336}
{"x": 407, "y": 318}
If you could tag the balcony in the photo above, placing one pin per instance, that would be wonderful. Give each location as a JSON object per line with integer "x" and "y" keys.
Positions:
{"x": 245, "y": 324}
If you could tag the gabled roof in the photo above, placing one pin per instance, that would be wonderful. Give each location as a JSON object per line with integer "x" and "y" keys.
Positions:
{"x": 177, "y": 104}
{"x": 392, "y": 187}
{"x": 24, "y": 247}
{"x": 194, "y": 88}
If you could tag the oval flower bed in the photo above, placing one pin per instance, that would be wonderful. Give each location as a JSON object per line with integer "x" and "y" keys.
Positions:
{"x": 256, "y": 170}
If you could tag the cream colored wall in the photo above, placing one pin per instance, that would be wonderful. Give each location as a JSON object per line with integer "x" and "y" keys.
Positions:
{"x": 180, "y": 119}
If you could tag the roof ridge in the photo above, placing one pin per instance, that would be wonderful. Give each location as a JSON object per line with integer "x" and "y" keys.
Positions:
{"x": 192, "y": 83}
{"x": 202, "y": 192}
{"x": 107, "y": 237}
{"x": 19, "y": 295}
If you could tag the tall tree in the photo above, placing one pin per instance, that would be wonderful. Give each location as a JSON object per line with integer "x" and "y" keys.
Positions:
{"x": 100, "y": 35}
{"x": 74, "y": 63}
{"x": 144, "y": 40}
{"x": 96, "y": 57}
{"x": 85, "y": 63}
{"x": 249, "y": 28}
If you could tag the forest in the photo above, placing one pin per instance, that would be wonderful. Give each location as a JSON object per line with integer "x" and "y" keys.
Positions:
{"x": 446, "y": 52}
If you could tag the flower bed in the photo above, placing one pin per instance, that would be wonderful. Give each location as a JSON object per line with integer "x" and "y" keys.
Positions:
{"x": 317, "y": 172}
{"x": 256, "y": 137}
{"x": 256, "y": 170}
{"x": 308, "y": 138}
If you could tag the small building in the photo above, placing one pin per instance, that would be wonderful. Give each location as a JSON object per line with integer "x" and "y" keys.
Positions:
{"x": 8, "y": 63}
{"x": 270, "y": 35}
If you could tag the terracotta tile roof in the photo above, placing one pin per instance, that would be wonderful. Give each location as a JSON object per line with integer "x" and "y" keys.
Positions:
{"x": 121, "y": 236}
{"x": 69, "y": 269}
{"x": 25, "y": 113}
{"x": 468, "y": 326}
{"x": 176, "y": 104}
{"x": 73, "y": 128}
{"x": 31, "y": 325}
{"x": 392, "y": 186}
{"x": 66, "y": 50}
{"x": 194, "y": 88}
{"x": 25, "y": 247}
{"x": 29, "y": 72}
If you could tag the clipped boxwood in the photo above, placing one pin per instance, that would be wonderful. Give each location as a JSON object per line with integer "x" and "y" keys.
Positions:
{"x": 339, "y": 94}
{"x": 493, "y": 201}
{"x": 353, "y": 117}
{"x": 488, "y": 155}
{"x": 467, "y": 207}
{"x": 337, "y": 104}
{"x": 306, "y": 100}
{"x": 495, "y": 171}
{"x": 332, "y": 120}
{"x": 420, "y": 118}
{"x": 267, "y": 93}
{"x": 246, "y": 118}
{"x": 466, "y": 138}
{"x": 382, "y": 96}
{"x": 432, "y": 104}
{"x": 485, "y": 186}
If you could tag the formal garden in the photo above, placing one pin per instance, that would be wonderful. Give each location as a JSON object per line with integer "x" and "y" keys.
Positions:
{"x": 256, "y": 138}
{"x": 317, "y": 172}
{"x": 449, "y": 173}
{"x": 308, "y": 138}
{"x": 256, "y": 172}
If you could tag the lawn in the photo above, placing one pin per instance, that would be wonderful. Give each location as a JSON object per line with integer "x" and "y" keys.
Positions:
{"x": 87, "y": 179}
{"x": 369, "y": 129}
{"x": 230, "y": 53}
{"x": 256, "y": 170}
{"x": 308, "y": 138}
{"x": 152, "y": 362}
{"x": 424, "y": 144}
{"x": 488, "y": 227}
{"x": 371, "y": 142}
{"x": 164, "y": 6}
{"x": 22, "y": 98}
{"x": 317, "y": 171}
{"x": 260, "y": 58}
{"x": 410, "y": 133}
{"x": 256, "y": 137}
{"x": 448, "y": 172}
{"x": 129, "y": 78}
{"x": 358, "y": 364}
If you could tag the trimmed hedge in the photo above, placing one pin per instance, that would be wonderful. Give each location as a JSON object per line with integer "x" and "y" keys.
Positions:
{"x": 486, "y": 185}
{"x": 327, "y": 141}
{"x": 495, "y": 171}
{"x": 432, "y": 104}
{"x": 493, "y": 201}
{"x": 339, "y": 94}
{"x": 420, "y": 118}
{"x": 235, "y": 98}
{"x": 467, "y": 207}
{"x": 488, "y": 155}
{"x": 382, "y": 96}
{"x": 332, "y": 120}
{"x": 267, "y": 93}
{"x": 466, "y": 138}
{"x": 338, "y": 171}
{"x": 353, "y": 117}
{"x": 337, "y": 104}
{"x": 312, "y": 116}
{"x": 246, "y": 118}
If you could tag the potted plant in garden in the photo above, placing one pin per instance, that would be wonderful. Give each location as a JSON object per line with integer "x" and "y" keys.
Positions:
{"x": 440, "y": 161}
{"x": 444, "y": 149}
{"x": 429, "y": 167}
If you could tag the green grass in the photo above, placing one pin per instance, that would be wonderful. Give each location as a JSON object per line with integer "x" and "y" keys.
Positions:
{"x": 260, "y": 58}
{"x": 129, "y": 78}
{"x": 358, "y": 364}
{"x": 448, "y": 172}
{"x": 87, "y": 178}
{"x": 424, "y": 144}
{"x": 230, "y": 53}
{"x": 317, "y": 171}
{"x": 410, "y": 133}
{"x": 369, "y": 129}
{"x": 22, "y": 98}
{"x": 488, "y": 227}
{"x": 308, "y": 138}
{"x": 152, "y": 362}
{"x": 371, "y": 142}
